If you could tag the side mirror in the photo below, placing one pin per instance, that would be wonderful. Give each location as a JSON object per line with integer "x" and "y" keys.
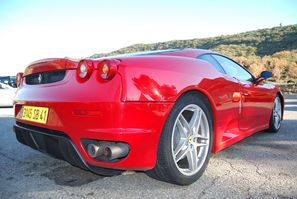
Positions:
{"x": 264, "y": 75}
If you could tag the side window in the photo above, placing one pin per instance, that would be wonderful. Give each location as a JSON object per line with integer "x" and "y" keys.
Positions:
{"x": 233, "y": 69}
{"x": 212, "y": 61}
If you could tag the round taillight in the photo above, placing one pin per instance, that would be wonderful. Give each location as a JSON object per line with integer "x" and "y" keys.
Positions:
{"x": 84, "y": 70}
{"x": 19, "y": 78}
{"x": 107, "y": 69}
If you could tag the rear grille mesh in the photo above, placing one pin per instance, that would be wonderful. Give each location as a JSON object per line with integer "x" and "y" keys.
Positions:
{"x": 45, "y": 77}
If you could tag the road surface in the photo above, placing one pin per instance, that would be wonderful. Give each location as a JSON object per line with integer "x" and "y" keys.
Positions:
{"x": 261, "y": 166}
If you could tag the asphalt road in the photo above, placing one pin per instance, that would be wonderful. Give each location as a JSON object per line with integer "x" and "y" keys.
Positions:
{"x": 261, "y": 166}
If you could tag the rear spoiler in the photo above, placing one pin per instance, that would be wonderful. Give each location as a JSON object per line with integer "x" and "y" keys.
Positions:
{"x": 51, "y": 64}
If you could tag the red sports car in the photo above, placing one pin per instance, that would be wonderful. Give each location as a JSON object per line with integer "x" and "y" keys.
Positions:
{"x": 162, "y": 112}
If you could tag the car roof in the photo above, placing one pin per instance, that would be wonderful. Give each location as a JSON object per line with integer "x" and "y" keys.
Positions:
{"x": 185, "y": 52}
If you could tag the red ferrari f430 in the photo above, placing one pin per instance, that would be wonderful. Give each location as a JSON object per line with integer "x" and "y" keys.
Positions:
{"x": 162, "y": 112}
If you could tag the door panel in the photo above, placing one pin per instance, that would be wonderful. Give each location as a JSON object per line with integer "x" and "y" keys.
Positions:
{"x": 245, "y": 106}
{"x": 223, "y": 91}
{"x": 255, "y": 98}
{"x": 227, "y": 113}
{"x": 256, "y": 106}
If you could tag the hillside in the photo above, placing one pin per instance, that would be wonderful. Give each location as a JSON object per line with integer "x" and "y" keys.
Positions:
{"x": 272, "y": 49}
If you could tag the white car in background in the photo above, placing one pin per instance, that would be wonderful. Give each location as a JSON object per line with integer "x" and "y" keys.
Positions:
{"x": 7, "y": 94}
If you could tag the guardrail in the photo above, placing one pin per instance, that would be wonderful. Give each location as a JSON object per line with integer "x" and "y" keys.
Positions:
{"x": 288, "y": 88}
{"x": 290, "y": 96}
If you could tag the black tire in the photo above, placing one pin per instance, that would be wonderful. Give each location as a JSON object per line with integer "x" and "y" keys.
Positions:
{"x": 273, "y": 128}
{"x": 166, "y": 168}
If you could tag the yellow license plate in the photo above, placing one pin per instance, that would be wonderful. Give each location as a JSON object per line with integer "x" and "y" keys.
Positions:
{"x": 33, "y": 114}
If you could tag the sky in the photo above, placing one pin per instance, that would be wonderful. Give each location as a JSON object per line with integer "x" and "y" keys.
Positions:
{"x": 37, "y": 29}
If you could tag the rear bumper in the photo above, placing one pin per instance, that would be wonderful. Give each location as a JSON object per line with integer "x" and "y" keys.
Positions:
{"x": 137, "y": 124}
{"x": 56, "y": 144}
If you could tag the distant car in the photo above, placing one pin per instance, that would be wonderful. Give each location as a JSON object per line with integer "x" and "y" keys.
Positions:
{"x": 7, "y": 94}
{"x": 162, "y": 112}
{"x": 10, "y": 80}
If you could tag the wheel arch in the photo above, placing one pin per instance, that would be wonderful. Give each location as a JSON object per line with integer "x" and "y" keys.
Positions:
{"x": 205, "y": 96}
{"x": 162, "y": 167}
{"x": 210, "y": 103}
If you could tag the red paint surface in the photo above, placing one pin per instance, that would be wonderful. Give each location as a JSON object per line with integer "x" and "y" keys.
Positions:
{"x": 133, "y": 106}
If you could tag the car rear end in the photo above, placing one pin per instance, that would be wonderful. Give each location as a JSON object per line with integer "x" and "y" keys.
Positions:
{"x": 75, "y": 111}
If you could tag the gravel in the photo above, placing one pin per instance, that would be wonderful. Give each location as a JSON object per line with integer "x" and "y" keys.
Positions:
{"x": 263, "y": 165}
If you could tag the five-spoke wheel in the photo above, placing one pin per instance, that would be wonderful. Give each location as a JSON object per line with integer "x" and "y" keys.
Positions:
{"x": 190, "y": 139}
{"x": 186, "y": 141}
{"x": 276, "y": 115}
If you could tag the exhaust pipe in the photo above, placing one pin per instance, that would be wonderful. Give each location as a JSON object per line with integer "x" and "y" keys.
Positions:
{"x": 116, "y": 151}
{"x": 96, "y": 149}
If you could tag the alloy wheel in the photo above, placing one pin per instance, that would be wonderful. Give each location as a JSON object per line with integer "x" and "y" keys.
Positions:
{"x": 190, "y": 139}
{"x": 277, "y": 112}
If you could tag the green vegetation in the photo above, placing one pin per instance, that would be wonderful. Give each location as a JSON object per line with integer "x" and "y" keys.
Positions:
{"x": 273, "y": 49}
